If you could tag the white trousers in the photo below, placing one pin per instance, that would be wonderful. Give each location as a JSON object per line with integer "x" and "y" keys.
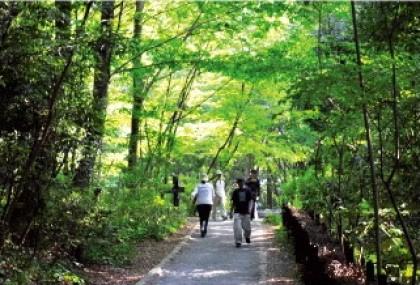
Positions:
{"x": 256, "y": 210}
{"x": 241, "y": 223}
{"x": 219, "y": 206}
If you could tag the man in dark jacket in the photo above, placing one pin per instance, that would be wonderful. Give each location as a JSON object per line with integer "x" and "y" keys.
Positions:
{"x": 253, "y": 183}
{"x": 240, "y": 211}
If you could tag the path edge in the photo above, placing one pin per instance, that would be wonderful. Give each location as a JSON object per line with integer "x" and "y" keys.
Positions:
{"x": 158, "y": 268}
{"x": 263, "y": 255}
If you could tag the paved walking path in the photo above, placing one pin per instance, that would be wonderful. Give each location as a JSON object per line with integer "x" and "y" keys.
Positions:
{"x": 214, "y": 260}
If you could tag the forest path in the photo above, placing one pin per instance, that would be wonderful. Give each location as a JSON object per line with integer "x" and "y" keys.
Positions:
{"x": 215, "y": 259}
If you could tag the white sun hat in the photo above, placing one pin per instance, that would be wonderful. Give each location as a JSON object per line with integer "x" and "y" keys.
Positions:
{"x": 204, "y": 177}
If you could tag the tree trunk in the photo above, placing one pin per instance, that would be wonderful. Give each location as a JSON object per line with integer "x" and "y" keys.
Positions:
{"x": 375, "y": 191}
{"x": 95, "y": 129}
{"x": 231, "y": 134}
{"x": 271, "y": 184}
{"x": 63, "y": 19}
{"x": 340, "y": 170}
{"x": 395, "y": 168}
{"x": 138, "y": 96}
{"x": 172, "y": 127}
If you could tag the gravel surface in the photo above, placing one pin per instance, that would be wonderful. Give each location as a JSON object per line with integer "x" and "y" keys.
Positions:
{"x": 215, "y": 260}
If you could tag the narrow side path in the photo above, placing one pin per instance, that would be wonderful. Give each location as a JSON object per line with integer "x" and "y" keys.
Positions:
{"x": 214, "y": 260}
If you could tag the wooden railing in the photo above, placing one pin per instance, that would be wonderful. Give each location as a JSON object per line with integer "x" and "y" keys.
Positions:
{"x": 325, "y": 261}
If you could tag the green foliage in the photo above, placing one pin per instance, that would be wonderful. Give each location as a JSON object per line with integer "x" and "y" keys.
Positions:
{"x": 304, "y": 190}
{"x": 142, "y": 213}
{"x": 241, "y": 85}
{"x": 273, "y": 219}
{"x": 109, "y": 250}
{"x": 60, "y": 274}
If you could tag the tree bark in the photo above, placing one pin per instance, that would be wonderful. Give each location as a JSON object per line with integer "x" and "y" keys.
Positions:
{"x": 396, "y": 157}
{"x": 63, "y": 19}
{"x": 231, "y": 134}
{"x": 271, "y": 184}
{"x": 138, "y": 96}
{"x": 366, "y": 119}
{"x": 95, "y": 129}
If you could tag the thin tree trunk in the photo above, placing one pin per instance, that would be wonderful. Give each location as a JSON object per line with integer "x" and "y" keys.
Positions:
{"x": 340, "y": 150}
{"x": 271, "y": 184}
{"x": 319, "y": 37}
{"x": 388, "y": 181}
{"x": 173, "y": 124}
{"x": 62, "y": 21}
{"x": 375, "y": 191}
{"x": 138, "y": 96}
{"x": 175, "y": 120}
{"x": 231, "y": 155}
{"x": 231, "y": 134}
{"x": 95, "y": 129}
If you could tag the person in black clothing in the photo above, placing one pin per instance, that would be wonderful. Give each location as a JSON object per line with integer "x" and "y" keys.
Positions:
{"x": 240, "y": 212}
{"x": 253, "y": 183}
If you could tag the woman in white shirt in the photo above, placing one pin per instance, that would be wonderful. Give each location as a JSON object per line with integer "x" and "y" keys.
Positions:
{"x": 203, "y": 196}
{"x": 219, "y": 199}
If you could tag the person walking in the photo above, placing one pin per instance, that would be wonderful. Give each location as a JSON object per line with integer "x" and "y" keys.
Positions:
{"x": 241, "y": 206}
{"x": 253, "y": 183}
{"x": 203, "y": 197}
{"x": 219, "y": 198}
